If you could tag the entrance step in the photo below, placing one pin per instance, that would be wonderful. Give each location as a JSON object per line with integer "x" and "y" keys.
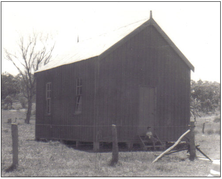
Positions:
{"x": 151, "y": 143}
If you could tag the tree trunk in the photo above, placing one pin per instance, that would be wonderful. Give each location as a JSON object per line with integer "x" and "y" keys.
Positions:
{"x": 29, "y": 110}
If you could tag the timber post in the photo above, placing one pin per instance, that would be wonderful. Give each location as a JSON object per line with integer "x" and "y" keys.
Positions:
{"x": 129, "y": 145}
{"x": 77, "y": 144}
{"x": 192, "y": 142}
{"x": 115, "y": 150}
{"x": 203, "y": 127}
{"x": 14, "y": 128}
{"x": 95, "y": 146}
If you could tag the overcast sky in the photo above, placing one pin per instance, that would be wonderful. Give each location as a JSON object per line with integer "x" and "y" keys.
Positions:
{"x": 193, "y": 26}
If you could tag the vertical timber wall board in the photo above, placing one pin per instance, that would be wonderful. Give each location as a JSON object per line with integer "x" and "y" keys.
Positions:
{"x": 79, "y": 126}
{"x": 172, "y": 91}
{"x": 43, "y": 121}
{"x": 39, "y": 130}
{"x": 144, "y": 60}
{"x": 121, "y": 73}
{"x": 64, "y": 123}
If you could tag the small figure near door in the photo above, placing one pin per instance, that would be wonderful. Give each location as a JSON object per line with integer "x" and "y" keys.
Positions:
{"x": 149, "y": 133}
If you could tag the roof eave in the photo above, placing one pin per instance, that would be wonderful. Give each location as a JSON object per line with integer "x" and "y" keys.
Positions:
{"x": 42, "y": 70}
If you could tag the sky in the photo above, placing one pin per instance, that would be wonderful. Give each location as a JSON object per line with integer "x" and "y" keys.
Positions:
{"x": 194, "y": 27}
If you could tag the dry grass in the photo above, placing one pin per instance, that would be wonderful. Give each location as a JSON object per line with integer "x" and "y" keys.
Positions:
{"x": 56, "y": 159}
{"x": 209, "y": 141}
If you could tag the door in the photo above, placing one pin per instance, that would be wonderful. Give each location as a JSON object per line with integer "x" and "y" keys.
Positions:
{"x": 147, "y": 105}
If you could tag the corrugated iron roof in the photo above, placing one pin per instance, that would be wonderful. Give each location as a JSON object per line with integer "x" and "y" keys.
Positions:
{"x": 92, "y": 47}
{"x": 98, "y": 45}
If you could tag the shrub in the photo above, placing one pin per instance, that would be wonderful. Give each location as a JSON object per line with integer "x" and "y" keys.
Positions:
{"x": 33, "y": 112}
{"x": 17, "y": 105}
{"x": 7, "y": 103}
{"x": 210, "y": 131}
{"x": 23, "y": 102}
{"x": 4, "y": 106}
{"x": 217, "y": 119}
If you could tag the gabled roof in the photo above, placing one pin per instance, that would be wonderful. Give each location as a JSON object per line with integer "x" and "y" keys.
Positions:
{"x": 105, "y": 43}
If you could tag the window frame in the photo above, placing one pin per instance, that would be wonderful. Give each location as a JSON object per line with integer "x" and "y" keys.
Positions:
{"x": 48, "y": 98}
{"x": 78, "y": 97}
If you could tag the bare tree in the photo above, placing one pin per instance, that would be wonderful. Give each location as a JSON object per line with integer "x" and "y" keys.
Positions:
{"x": 33, "y": 52}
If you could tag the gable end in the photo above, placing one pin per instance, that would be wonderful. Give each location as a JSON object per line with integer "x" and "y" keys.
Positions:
{"x": 170, "y": 42}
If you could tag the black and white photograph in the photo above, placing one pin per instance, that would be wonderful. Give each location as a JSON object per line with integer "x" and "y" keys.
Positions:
{"x": 111, "y": 89}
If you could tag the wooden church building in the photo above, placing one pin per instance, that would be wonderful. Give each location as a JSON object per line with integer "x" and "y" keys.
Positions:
{"x": 134, "y": 77}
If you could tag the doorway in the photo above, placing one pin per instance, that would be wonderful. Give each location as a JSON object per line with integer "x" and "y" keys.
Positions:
{"x": 147, "y": 109}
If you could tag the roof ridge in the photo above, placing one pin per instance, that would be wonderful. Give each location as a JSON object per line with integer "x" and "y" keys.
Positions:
{"x": 113, "y": 30}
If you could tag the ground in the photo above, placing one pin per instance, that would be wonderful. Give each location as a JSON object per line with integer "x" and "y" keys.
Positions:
{"x": 53, "y": 158}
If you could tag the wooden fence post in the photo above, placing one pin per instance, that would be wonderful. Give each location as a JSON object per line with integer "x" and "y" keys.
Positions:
{"x": 192, "y": 142}
{"x": 115, "y": 151}
{"x": 14, "y": 128}
{"x": 203, "y": 127}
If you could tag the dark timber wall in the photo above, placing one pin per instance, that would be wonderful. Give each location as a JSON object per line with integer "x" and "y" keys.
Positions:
{"x": 63, "y": 123}
{"x": 145, "y": 60}
{"x": 111, "y": 93}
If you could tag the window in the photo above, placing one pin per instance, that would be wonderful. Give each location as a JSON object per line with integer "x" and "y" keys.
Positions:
{"x": 48, "y": 97}
{"x": 78, "y": 107}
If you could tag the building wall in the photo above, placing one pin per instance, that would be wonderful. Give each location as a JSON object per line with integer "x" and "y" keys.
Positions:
{"x": 173, "y": 103}
{"x": 144, "y": 60}
{"x": 63, "y": 123}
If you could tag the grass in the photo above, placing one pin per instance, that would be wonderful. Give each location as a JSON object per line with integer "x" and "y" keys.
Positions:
{"x": 56, "y": 159}
{"x": 209, "y": 141}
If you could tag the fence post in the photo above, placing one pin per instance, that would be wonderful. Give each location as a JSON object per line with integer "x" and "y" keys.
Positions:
{"x": 192, "y": 142}
{"x": 203, "y": 127}
{"x": 115, "y": 151}
{"x": 14, "y": 128}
